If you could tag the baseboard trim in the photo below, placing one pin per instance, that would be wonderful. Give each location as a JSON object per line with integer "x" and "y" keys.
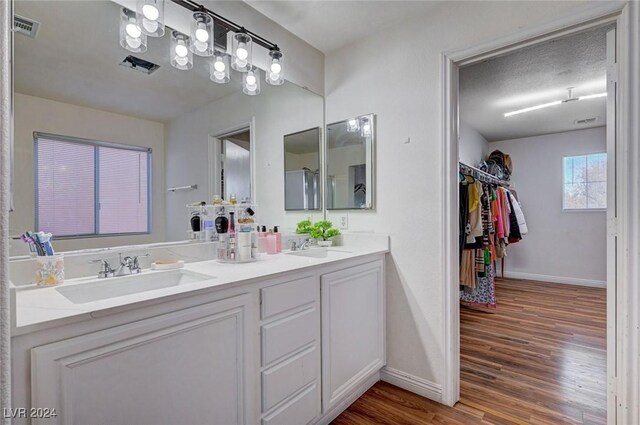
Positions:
{"x": 348, "y": 401}
{"x": 412, "y": 383}
{"x": 556, "y": 279}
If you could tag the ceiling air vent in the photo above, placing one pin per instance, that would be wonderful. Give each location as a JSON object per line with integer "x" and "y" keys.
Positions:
{"x": 586, "y": 121}
{"x": 138, "y": 64}
{"x": 25, "y": 26}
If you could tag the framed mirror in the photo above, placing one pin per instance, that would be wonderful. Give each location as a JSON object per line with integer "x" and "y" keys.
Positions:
{"x": 112, "y": 144}
{"x": 350, "y": 164}
{"x": 302, "y": 170}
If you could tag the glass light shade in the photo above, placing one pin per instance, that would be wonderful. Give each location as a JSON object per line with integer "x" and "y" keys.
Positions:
{"x": 274, "y": 74}
{"x": 151, "y": 17}
{"x": 219, "y": 68}
{"x": 241, "y": 52}
{"x": 180, "y": 54}
{"x": 131, "y": 36}
{"x": 202, "y": 34}
{"x": 353, "y": 125}
{"x": 251, "y": 82}
{"x": 365, "y": 127}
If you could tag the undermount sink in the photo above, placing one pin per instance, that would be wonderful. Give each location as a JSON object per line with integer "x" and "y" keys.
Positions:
{"x": 101, "y": 289}
{"x": 317, "y": 253}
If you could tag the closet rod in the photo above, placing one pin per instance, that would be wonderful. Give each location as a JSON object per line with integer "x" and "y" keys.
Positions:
{"x": 480, "y": 175}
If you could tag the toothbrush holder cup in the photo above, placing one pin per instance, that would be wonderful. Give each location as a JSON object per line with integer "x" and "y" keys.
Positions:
{"x": 50, "y": 270}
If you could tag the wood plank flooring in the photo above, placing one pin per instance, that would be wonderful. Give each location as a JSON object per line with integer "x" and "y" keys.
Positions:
{"x": 540, "y": 358}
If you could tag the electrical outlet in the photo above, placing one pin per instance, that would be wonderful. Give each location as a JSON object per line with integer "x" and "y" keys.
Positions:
{"x": 344, "y": 222}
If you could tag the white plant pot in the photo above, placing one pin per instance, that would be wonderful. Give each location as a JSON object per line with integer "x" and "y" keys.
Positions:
{"x": 325, "y": 243}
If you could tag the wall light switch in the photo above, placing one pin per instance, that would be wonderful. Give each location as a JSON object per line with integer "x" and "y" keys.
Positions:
{"x": 344, "y": 222}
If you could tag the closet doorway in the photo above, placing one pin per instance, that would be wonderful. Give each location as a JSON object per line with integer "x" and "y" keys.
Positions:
{"x": 536, "y": 342}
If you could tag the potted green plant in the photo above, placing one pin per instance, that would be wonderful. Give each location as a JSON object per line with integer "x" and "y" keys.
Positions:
{"x": 304, "y": 227}
{"x": 323, "y": 231}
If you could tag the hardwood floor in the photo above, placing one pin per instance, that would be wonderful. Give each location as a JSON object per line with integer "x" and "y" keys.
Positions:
{"x": 540, "y": 358}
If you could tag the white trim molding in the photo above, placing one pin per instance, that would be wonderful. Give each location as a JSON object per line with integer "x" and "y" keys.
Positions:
{"x": 6, "y": 141}
{"x": 556, "y": 279}
{"x": 623, "y": 399}
{"x": 406, "y": 381}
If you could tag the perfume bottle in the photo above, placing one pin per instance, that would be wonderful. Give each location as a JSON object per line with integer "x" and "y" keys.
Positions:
{"x": 232, "y": 222}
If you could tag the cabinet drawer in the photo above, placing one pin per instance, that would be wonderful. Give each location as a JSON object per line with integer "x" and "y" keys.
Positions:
{"x": 301, "y": 410}
{"x": 288, "y": 377}
{"x": 285, "y": 336}
{"x": 286, "y": 296}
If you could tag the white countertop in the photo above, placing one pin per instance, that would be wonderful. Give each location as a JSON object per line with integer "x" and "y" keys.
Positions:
{"x": 38, "y": 308}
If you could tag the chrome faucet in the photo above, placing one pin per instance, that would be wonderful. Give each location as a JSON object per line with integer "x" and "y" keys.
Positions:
{"x": 129, "y": 265}
{"x": 105, "y": 269}
{"x": 304, "y": 245}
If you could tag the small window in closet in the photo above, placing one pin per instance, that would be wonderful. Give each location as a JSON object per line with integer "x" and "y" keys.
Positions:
{"x": 585, "y": 182}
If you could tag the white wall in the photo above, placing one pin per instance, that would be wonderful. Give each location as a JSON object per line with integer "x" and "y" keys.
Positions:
{"x": 48, "y": 116}
{"x": 277, "y": 111}
{"x": 472, "y": 147}
{"x": 406, "y": 95}
{"x": 568, "y": 246}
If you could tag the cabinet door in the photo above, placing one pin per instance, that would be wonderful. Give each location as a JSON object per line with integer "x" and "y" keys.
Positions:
{"x": 186, "y": 367}
{"x": 353, "y": 327}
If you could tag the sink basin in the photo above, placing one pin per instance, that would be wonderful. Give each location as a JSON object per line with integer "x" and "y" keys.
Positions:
{"x": 317, "y": 253}
{"x": 101, "y": 289}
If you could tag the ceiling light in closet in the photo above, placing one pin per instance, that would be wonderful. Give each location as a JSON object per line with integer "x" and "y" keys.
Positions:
{"x": 219, "y": 68}
{"x": 242, "y": 52}
{"x": 251, "y": 82}
{"x": 274, "y": 74}
{"x": 569, "y": 98}
{"x": 353, "y": 125}
{"x": 151, "y": 16}
{"x": 181, "y": 56}
{"x": 366, "y": 128}
{"x": 202, "y": 34}
{"x": 131, "y": 36}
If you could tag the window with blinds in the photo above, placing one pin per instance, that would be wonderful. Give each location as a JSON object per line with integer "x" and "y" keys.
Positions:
{"x": 91, "y": 188}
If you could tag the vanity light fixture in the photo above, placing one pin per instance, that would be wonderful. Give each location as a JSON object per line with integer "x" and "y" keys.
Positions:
{"x": 181, "y": 55}
{"x": 353, "y": 125}
{"x": 242, "y": 51}
{"x": 219, "y": 68}
{"x": 131, "y": 36}
{"x": 365, "y": 127}
{"x": 251, "y": 82}
{"x": 202, "y": 34}
{"x": 151, "y": 17}
{"x": 569, "y": 98}
{"x": 274, "y": 75}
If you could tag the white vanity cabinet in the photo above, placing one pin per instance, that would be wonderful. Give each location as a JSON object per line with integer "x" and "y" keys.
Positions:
{"x": 353, "y": 330}
{"x": 185, "y": 367}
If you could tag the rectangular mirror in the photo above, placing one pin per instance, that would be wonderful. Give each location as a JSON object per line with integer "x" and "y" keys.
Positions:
{"x": 302, "y": 170}
{"x": 111, "y": 145}
{"x": 350, "y": 163}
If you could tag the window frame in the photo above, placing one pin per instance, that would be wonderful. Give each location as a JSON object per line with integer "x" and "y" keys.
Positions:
{"x": 586, "y": 155}
{"x": 95, "y": 144}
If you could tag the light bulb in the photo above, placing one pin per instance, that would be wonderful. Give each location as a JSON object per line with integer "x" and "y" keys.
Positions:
{"x": 134, "y": 43}
{"x": 150, "y": 12}
{"x": 276, "y": 68}
{"x": 200, "y": 46}
{"x": 181, "y": 50}
{"x": 219, "y": 66}
{"x": 274, "y": 76}
{"x": 201, "y": 33}
{"x": 133, "y": 30}
{"x": 182, "y": 60}
{"x": 251, "y": 80}
{"x": 219, "y": 75}
{"x": 150, "y": 26}
{"x": 241, "y": 52}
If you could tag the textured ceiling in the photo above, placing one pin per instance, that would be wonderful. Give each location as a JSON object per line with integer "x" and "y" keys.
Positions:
{"x": 532, "y": 76}
{"x": 75, "y": 57}
{"x": 330, "y": 24}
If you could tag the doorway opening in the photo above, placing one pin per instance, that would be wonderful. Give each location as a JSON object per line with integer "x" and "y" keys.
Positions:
{"x": 539, "y": 336}
{"x": 231, "y": 164}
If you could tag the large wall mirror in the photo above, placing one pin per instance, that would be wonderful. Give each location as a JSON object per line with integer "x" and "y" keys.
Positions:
{"x": 102, "y": 134}
{"x": 350, "y": 163}
{"x": 302, "y": 170}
